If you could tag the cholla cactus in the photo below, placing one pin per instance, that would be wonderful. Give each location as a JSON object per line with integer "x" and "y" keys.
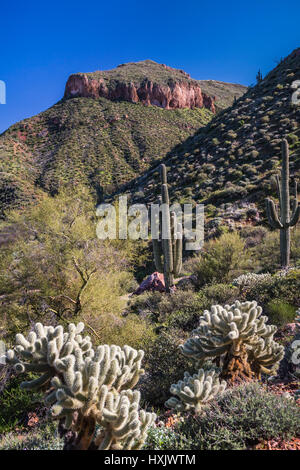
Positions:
{"x": 237, "y": 338}
{"x": 85, "y": 387}
{"x": 194, "y": 391}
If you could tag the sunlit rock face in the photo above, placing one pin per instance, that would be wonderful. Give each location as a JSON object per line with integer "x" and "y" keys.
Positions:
{"x": 178, "y": 93}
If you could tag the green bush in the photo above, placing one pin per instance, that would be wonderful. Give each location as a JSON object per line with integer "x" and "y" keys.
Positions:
{"x": 267, "y": 252}
{"x": 241, "y": 417}
{"x": 219, "y": 294}
{"x": 282, "y": 288}
{"x": 165, "y": 364}
{"x": 187, "y": 315}
{"x": 15, "y": 404}
{"x": 42, "y": 438}
{"x": 180, "y": 310}
{"x": 280, "y": 312}
{"x": 161, "y": 438}
{"x": 221, "y": 260}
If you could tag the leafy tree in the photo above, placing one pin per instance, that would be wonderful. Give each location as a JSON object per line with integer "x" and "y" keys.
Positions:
{"x": 53, "y": 268}
{"x": 221, "y": 260}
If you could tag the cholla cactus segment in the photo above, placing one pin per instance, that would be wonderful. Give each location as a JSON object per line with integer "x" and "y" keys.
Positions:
{"x": 236, "y": 331}
{"x": 47, "y": 349}
{"x": 196, "y": 390}
{"x": 125, "y": 427}
{"x": 85, "y": 387}
{"x": 86, "y": 381}
{"x": 267, "y": 355}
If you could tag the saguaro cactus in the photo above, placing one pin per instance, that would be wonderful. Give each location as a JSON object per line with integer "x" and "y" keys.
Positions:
{"x": 284, "y": 220}
{"x": 169, "y": 244}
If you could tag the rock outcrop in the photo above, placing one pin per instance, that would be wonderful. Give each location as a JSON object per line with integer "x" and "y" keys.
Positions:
{"x": 153, "y": 283}
{"x": 179, "y": 94}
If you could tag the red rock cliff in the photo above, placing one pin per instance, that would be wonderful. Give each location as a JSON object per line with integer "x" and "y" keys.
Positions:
{"x": 178, "y": 95}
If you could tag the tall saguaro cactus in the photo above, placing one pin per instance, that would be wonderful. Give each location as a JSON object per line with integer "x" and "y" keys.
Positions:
{"x": 167, "y": 248}
{"x": 284, "y": 219}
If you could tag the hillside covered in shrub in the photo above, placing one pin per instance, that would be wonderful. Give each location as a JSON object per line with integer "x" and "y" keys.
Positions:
{"x": 102, "y": 142}
{"x": 228, "y": 165}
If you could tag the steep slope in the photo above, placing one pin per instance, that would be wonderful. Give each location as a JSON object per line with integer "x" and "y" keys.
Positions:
{"x": 102, "y": 141}
{"x": 232, "y": 159}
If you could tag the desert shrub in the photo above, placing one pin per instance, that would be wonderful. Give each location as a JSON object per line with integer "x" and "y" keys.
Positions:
{"x": 250, "y": 279}
{"x": 267, "y": 252}
{"x": 187, "y": 311}
{"x": 165, "y": 364}
{"x": 15, "y": 404}
{"x": 284, "y": 288}
{"x": 280, "y": 312}
{"x": 253, "y": 235}
{"x": 183, "y": 308}
{"x": 146, "y": 305}
{"x": 219, "y": 294}
{"x": 241, "y": 417}
{"x": 130, "y": 330}
{"x": 127, "y": 282}
{"x": 186, "y": 316}
{"x": 42, "y": 438}
{"x": 179, "y": 310}
{"x": 221, "y": 260}
{"x": 160, "y": 438}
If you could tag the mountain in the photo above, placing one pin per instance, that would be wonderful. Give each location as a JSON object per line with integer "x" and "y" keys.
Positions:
{"x": 109, "y": 127}
{"x": 228, "y": 164}
{"x": 153, "y": 84}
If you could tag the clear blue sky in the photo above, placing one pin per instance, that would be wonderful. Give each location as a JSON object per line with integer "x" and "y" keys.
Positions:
{"x": 42, "y": 43}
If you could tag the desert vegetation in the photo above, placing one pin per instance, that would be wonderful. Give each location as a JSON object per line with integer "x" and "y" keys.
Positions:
{"x": 205, "y": 362}
{"x": 219, "y": 339}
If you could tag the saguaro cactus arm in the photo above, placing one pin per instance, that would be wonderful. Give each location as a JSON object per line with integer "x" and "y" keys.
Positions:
{"x": 295, "y": 207}
{"x": 272, "y": 214}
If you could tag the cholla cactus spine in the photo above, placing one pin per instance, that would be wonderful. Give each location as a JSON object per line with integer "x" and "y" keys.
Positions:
{"x": 168, "y": 247}
{"x": 86, "y": 387}
{"x": 284, "y": 220}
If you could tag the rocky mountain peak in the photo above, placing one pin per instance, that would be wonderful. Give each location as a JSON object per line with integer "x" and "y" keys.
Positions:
{"x": 146, "y": 82}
